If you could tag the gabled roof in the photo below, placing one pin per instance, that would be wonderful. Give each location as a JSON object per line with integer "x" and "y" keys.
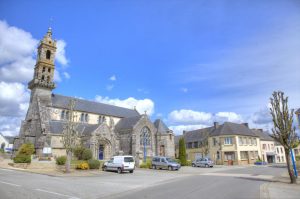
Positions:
{"x": 229, "y": 128}
{"x": 10, "y": 139}
{"x": 161, "y": 126}
{"x": 197, "y": 135}
{"x": 57, "y": 127}
{"x": 128, "y": 122}
{"x": 60, "y": 101}
{"x": 265, "y": 136}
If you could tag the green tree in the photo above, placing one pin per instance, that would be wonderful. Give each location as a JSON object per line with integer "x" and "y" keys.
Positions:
{"x": 26, "y": 149}
{"x": 283, "y": 130}
{"x": 70, "y": 135}
{"x": 182, "y": 152}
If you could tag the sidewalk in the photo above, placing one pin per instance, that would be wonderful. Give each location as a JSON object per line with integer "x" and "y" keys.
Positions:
{"x": 49, "y": 168}
{"x": 280, "y": 188}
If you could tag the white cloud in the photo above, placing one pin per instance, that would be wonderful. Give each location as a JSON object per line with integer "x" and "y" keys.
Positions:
{"x": 180, "y": 128}
{"x": 14, "y": 98}
{"x": 10, "y": 125}
{"x": 60, "y": 52}
{"x": 57, "y": 77}
{"x": 141, "y": 105}
{"x": 113, "y": 78}
{"x": 228, "y": 117}
{"x": 184, "y": 116}
{"x": 110, "y": 87}
{"x": 66, "y": 75}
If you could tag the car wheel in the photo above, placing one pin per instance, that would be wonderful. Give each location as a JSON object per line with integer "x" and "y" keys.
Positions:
{"x": 153, "y": 167}
{"x": 119, "y": 170}
{"x": 206, "y": 165}
{"x": 104, "y": 168}
{"x": 131, "y": 171}
{"x": 193, "y": 165}
{"x": 170, "y": 168}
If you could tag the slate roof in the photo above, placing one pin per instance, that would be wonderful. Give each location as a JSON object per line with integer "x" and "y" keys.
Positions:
{"x": 161, "y": 126}
{"x": 265, "y": 136}
{"x": 60, "y": 101}
{"x": 128, "y": 122}
{"x": 197, "y": 135}
{"x": 56, "y": 127}
{"x": 229, "y": 128}
{"x": 10, "y": 139}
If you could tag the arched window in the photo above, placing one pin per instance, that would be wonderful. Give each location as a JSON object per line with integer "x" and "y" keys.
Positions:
{"x": 43, "y": 69}
{"x": 43, "y": 77}
{"x": 48, "y": 54}
{"x": 48, "y": 79}
{"x": 145, "y": 137}
{"x": 62, "y": 115}
{"x": 86, "y": 117}
{"x": 67, "y": 115}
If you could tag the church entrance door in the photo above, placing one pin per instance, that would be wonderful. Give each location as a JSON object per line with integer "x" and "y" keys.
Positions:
{"x": 101, "y": 152}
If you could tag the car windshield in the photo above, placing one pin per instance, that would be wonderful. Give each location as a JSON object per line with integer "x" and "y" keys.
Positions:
{"x": 128, "y": 159}
{"x": 171, "y": 160}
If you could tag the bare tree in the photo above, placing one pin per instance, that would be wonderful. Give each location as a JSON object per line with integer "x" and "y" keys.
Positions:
{"x": 283, "y": 130}
{"x": 204, "y": 144}
{"x": 70, "y": 134}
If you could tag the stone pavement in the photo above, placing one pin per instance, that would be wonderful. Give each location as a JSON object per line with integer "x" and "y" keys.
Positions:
{"x": 280, "y": 188}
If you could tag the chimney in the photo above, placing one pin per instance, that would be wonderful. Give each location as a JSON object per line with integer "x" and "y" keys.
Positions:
{"x": 216, "y": 125}
{"x": 245, "y": 124}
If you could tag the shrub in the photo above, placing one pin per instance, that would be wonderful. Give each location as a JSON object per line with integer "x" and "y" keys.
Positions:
{"x": 26, "y": 149}
{"x": 94, "y": 164}
{"x": 1, "y": 150}
{"x": 61, "y": 160}
{"x": 83, "y": 166}
{"x": 22, "y": 158}
{"x": 78, "y": 151}
{"x": 87, "y": 154}
{"x": 147, "y": 164}
{"x": 188, "y": 163}
{"x": 298, "y": 158}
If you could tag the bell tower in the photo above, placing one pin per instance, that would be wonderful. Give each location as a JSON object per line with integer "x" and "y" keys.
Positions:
{"x": 42, "y": 84}
{"x": 44, "y": 67}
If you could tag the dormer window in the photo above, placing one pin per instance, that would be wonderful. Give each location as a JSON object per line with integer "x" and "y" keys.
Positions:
{"x": 86, "y": 118}
{"x": 82, "y": 117}
{"x": 48, "y": 54}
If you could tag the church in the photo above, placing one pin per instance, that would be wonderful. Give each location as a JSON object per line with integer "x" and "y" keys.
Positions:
{"x": 106, "y": 129}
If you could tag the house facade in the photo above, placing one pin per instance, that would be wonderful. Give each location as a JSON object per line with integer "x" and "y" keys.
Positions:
{"x": 106, "y": 129}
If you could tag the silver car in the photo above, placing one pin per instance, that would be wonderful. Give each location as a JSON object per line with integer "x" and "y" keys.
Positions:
{"x": 165, "y": 163}
{"x": 203, "y": 162}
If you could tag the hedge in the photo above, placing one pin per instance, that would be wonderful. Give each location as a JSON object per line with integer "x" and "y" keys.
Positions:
{"x": 22, "y": 158}
{"x": 61, "y": 160}
{"x": 94, "y": 164}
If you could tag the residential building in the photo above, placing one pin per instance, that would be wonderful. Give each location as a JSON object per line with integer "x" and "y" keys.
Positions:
{"x": 229, "y": 143}
{"x": 271, "y": 151}
{"x": 106, "y": 129}
{"x": 6, "y": 142}
{"x": 196, "y": 143}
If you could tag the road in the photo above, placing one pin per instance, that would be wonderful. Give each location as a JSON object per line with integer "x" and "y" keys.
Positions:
{"x": 219, "y": 182}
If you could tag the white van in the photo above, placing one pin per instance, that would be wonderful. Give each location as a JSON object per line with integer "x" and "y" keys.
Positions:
{"x": 120, "y": 164}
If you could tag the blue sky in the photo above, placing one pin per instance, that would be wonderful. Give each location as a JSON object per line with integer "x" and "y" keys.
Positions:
{"x": 187, "y": 62}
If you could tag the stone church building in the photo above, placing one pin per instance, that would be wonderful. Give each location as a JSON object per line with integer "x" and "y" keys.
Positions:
{"x": 106, "y": 129}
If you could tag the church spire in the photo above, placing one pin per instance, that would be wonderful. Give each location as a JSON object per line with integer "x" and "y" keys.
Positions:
{"x": 44, "y": 67}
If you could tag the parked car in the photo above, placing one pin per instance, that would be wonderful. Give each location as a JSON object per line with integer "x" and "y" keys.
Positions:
{"x": 203, "y": 162}
{"x": 165, "y": 163}
{"x": 120, "y": 164}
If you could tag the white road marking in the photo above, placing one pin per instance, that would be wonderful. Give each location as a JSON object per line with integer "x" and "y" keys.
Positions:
{"x": 16, "y": 185}
{"x": 59, "y": 194}
{"x": 6, "y": 170}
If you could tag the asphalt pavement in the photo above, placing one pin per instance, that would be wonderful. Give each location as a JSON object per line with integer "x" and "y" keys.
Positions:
{"x": 218, "y": 182}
